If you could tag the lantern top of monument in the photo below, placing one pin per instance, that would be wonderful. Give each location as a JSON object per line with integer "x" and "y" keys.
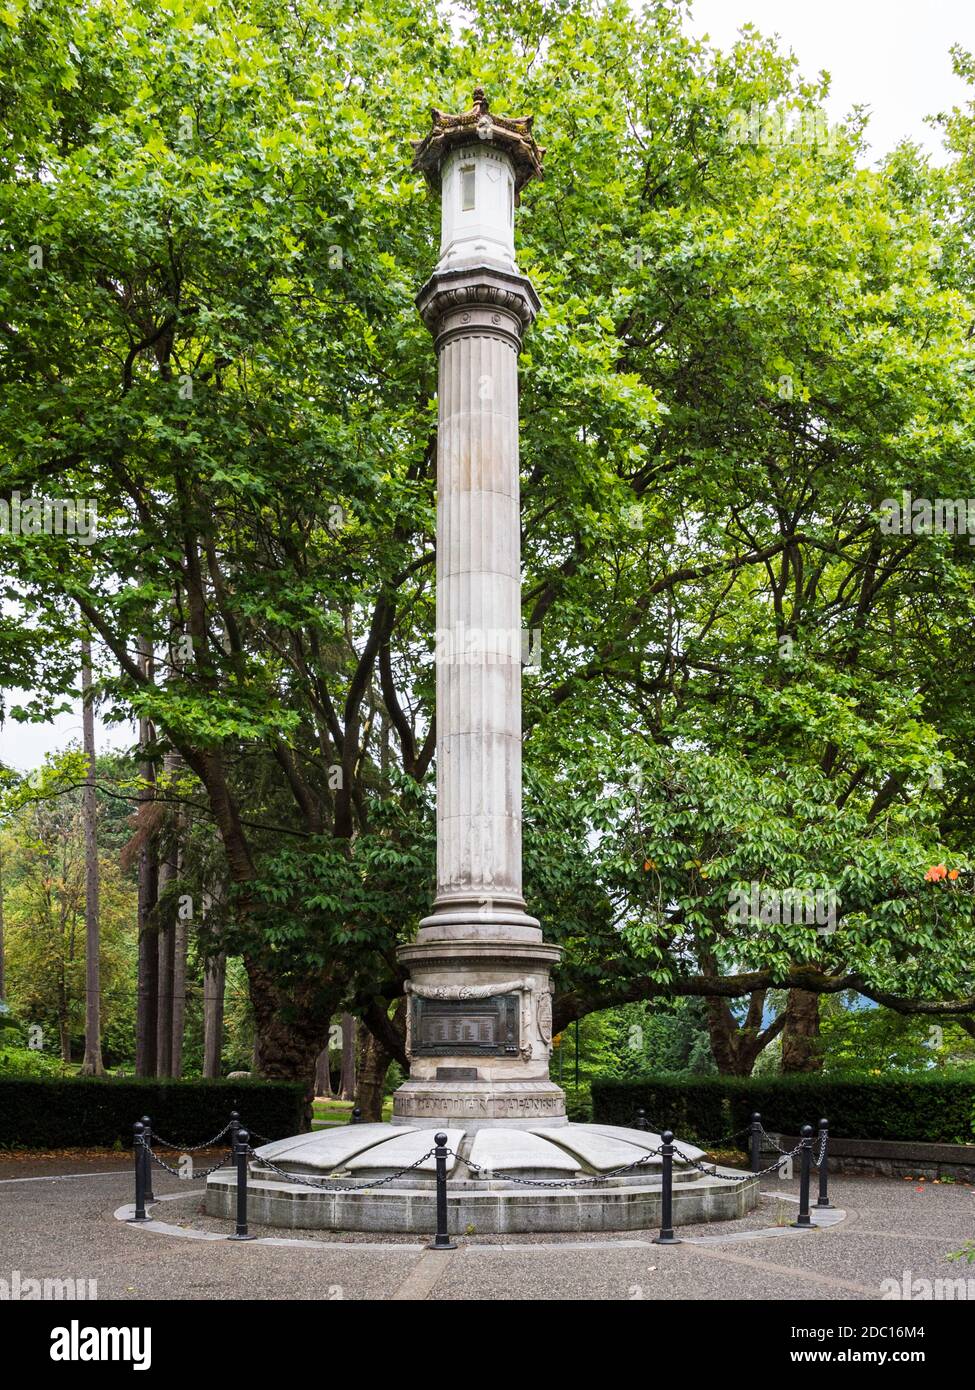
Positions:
{"x": 511, "y": 134}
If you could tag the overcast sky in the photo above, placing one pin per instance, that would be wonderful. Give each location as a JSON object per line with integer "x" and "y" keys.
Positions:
{"x": 890, "y": 55}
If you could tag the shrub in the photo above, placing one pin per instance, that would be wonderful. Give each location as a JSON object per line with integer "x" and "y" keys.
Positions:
{"x": 85, "y": 1111}
{"x": 932, "y": 1108}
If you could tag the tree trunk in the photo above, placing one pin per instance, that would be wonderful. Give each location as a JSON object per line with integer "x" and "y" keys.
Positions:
{"x": 180, "y": 951}
{"x": 736, "y": 1048}
{"x": 64, "y": 1032}
{"x": 347, "y": 1080}
{"x": 291, "y": 1021}
{"x": 167, "y": 958}
{"x": 323, "y": 1075}
{"x": 801, "y": 1050}
{"x": 147, "y": 1005}
{"x": 181, "y": 932}
{"x": 166, "y": 918}
{"x": 374, "y": 1063}
{"x": 214, "y": 983}
{"x": 3, "y": 980}
{"x": 92, "y": 1063}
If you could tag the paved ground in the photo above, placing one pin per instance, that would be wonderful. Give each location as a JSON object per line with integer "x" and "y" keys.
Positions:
{"x": 57, "y": 1220}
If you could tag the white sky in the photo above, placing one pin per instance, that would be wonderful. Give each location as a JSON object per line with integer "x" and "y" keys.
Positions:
{"x": 890, "y": 55}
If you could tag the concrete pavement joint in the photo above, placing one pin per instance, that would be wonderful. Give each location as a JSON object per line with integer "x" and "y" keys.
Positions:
{"x": 420, "y": 1281}
{"x": 788, "y": 1271}
{"x": 61, "y": 1177}
{"x": 165, "y": 1228}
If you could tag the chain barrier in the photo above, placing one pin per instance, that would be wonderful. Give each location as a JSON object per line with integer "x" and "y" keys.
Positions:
{"x": 327, "y": 1185}
{"x": 704, "y": 1143}
{"x": 772, "y": 1143}
{"x": 717, "y": 1143}
{"x": 816, "y": 1162}
{"x": 561, "y": 1182}
{"x": 190, "y": 1148}
{"x": 196, "y": 1174}
{"x": 713, "y": 1172}
{"x": 241, "y": 1154}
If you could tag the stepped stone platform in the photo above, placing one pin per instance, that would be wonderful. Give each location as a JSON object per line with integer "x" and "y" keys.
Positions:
{"x": 483, "y": 1194}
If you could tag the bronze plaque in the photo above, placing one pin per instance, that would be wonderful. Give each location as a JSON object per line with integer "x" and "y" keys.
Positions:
{"x": 481, "y": 1027}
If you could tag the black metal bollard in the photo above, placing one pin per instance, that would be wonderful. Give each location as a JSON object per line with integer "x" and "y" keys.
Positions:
{"x": 147, "y": 1145}
{"x": 804, "y": 1220}
{"x": 241, "y": 1150}
{"x": 756, "y": 1143}
{"x": 641, "y": 1121}
{"x": 666, "y": 1236}
{"x": 140, "y": 1174}
{"x": 356, "y": 1118}
{"x": 441, "y": 1240}
{"x": 823, "y": 1199}
{"x": 234, "y": 1127}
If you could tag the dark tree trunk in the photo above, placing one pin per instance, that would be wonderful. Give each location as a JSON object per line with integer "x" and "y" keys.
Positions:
{"x": 166, "y": 919}
{"x": 180, "y": 951}
{"x": 92, "y": 1062}
{"x": 291, "y": 1022}
{"x": 147, "y": 1004}
{"x": 214, "y": 984}
{"x": 323, "y": 1075}
{"x": 801, "y": 1048}
{"x": 167, "y": 962}
{"x": 64, "y": 1031}
{"x": 737, "y": 1047}
{"x": 374, "y": 1061}
{"x": 3, "y": 980}
{"x": 347, "y": 1081}
{"x": 181, "y": 937}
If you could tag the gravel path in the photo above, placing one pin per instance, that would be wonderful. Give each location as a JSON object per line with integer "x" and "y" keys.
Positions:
{"x": 57, "y": 1221}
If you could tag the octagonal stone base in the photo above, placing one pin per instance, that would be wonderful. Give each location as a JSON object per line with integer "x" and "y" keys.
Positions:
{"x": 483, "y": 1197}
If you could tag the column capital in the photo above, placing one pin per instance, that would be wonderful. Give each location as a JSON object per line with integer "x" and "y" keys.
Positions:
{"x": 477, "y": 299}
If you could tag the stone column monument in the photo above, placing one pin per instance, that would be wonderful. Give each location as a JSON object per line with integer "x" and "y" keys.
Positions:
{"x": 479, "y": 1004}
{"x": 479, "y": 996}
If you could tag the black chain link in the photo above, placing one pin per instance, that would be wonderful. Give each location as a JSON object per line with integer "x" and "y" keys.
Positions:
{"x": 702, "y": 1143}
{"x": 716, "y": 1143}
{"x": 190, "y": 1148}
{"x": 562, "y": 1182}
{"x": 816, "y": 1162}
{"x": 328, "y": 1185}
{"x": 772, "y": 1168}
{"x": 195, "y": 1174}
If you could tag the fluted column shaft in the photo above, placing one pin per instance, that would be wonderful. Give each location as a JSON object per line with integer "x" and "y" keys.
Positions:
{"x": 478, "y": 626}
{"x": 477, "y": 316}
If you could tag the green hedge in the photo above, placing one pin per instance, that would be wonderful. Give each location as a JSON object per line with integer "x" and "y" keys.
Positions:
{"x": 85, "y": 1111}
{"x": 930, "y": 1108}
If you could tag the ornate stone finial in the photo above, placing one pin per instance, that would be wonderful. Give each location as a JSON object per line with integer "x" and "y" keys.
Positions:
{"x": 511, "y": 134}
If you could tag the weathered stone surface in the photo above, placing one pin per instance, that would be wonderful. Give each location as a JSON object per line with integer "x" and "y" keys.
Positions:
{"x": 404, "y": 1149}
{"x": 480, "y": 1104}
{"x": 642, "y": 1138}
{"x": 327, "y": 1149}
{"x": 520, "y": 1151}
{"x": 634, "y": 1207}
{"x": 599, "y": 1152}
